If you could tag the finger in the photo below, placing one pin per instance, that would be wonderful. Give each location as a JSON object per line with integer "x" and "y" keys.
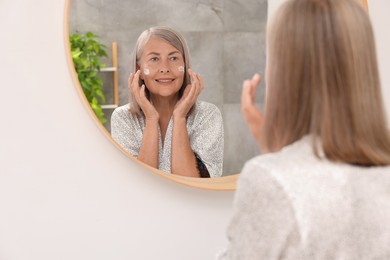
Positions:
{"x": 246, "y": 96}
{"x": 195, "y": 80}
{"x": 191, "y": 92}
{"x": 186, "y": 91}
{"x": 136, "y": 93}
{"x": 130, "y": 78}
{"x": 192, "y": 76}
{"x": 252, "y": 115}
{"x": 256, "y": 79}
{"x": 143, "y": 100}
{"x": 201, "y": 83}
{"x": 255, "y": 83}
{"x": 135, "y": 82}
{"x": 198, "y": 84}
{"x": 137, "y": 88}
{"x": 142, "y": 93}
{"x": 136, "y": 78}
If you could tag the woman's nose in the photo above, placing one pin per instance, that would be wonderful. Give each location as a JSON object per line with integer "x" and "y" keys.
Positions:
{"x": 164, "y": 67}
{"x": 164, "y": 70}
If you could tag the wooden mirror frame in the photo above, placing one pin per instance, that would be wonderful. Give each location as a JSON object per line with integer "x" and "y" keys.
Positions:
{"x": 365, "y": 4}
{"x": 226, "y": 183}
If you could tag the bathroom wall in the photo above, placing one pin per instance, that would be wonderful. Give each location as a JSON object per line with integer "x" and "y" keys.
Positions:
{"x": 226, "y": 40}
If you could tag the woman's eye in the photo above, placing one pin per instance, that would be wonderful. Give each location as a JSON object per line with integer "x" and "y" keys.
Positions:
{"x": 154, "y": 59}
{"x": 174, "y": 58}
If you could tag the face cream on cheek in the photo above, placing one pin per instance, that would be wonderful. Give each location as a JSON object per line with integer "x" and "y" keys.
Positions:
{"x": 146, "y": 71}
{"x": 181, "y": 68}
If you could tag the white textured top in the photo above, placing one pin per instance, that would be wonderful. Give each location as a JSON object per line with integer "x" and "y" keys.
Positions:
{"x": 205, "y": 131}
{"x": 292, "y": 205}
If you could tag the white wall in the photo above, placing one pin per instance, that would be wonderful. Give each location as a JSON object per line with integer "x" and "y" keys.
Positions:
{"x": 379, "y": 14}
{"x": 65, "y": 191}
{"x": 273, "y": 6}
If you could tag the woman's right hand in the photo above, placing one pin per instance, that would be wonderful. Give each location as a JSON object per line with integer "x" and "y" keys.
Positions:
{"x": 149, "y": 110}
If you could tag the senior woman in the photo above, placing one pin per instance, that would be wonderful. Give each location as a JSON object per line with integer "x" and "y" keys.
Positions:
{"x": 165, "y": 125}
{"x": 321, "y": 188}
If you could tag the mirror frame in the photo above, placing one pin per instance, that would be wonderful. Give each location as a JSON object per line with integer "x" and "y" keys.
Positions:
{"x": 365, "y": 4}
{"x": 225, "y": 183}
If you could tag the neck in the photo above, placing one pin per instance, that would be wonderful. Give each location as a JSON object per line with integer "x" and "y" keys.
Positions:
{"x": 164, "y": 105}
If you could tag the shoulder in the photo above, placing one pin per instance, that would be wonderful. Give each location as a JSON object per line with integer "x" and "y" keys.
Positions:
{"x": 263, "y": 200}
{"x": 203, "y": 105}
{"x": 263, "y": 219}
{"x": 300, "y": 174}
{"x": 204, "y": 110}
{"x": 123, "y": 112}
{"x": 298, "y": 160}
{"x": 298, "y": 153}
{"x": 290, "y": 164}
{"x": 256, "y": 176}
{"x": 270, "y": 171}
{"x": 206, "y": 107}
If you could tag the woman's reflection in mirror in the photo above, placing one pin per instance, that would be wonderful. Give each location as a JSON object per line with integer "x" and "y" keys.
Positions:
{"x": 321, "y": 190}
{"x": 165, "y": 125}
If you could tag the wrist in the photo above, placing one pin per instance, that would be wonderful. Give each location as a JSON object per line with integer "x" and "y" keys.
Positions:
{"x": 180, "y": 113}
{"x": 179, "y": 117}
{"x": 179, "y": 120}
{"x": 152, "y": 120}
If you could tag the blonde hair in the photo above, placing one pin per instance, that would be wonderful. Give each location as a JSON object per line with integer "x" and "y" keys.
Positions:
{"x": 172, "y": 37}
{"x": 323, "y": 80}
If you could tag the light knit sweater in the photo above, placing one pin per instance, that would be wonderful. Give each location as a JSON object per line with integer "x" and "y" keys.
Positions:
{"x": 292, "y": 205}
{"x": 205, "y": 131}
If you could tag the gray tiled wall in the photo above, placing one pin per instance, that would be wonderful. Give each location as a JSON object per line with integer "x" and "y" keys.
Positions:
{"x": 227, "y": 46}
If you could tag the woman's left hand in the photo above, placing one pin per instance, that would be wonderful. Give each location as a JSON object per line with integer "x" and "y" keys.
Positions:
{"x": 252, "y": 115}
{"x": 190, "y": 95}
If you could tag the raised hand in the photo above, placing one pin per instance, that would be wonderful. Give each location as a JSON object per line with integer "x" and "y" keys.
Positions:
{"x": 140, "y": 96}
{"x": 190, "y": 95}
{"x": 252, "y": 115}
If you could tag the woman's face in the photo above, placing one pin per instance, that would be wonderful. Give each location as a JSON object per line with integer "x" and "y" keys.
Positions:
{"x": 162, "y": 68}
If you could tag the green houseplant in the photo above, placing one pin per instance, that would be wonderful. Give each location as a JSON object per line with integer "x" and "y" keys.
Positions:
{"x": 86, "y": 54}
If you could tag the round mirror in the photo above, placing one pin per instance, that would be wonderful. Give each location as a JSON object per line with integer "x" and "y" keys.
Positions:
{"x": 227, "y": 45}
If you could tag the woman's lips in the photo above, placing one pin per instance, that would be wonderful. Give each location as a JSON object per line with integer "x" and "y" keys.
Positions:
{"x": 165, "y": 80}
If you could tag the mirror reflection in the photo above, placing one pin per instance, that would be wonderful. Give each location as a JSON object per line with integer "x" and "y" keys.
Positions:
{"x": 226, "y": 43}
{"x": 165, "y": 125}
